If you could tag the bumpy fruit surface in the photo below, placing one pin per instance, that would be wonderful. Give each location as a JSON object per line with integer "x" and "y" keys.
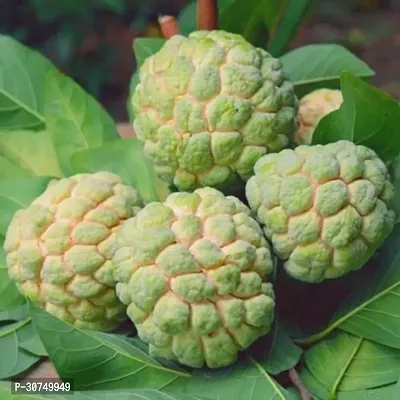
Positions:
{"x": 312, "y": 108}
{"x": 326, "y": 209}
{"x": 193, "y": 273}
{"x": 208, "y": 106}
{"x": 59, "y": 249}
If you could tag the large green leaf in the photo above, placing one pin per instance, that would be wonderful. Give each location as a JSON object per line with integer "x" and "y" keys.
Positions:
{"x": 292, "y": 19}
{"x": 253, "y": 19}
{"x": 22, "y": 74}
{"x": 245, "y": 380}
{"x": 145, "y": 47}
{"x": 131, "y": 394}
{"x": 124, "y": 157}
{"x": 367, "y": 116}
{"x": 9, "y": 296}
{"x": 34, "y": 346}
{"x": 75, "y": 120}
{"x": 283, "y": 354}
{"x": 27, "y": 153}
{"x": 387, "y": 392}
{"x": 15, "y": 313}
{"x": 373, "y": 308}
{"x": 348, "y": 363}
{"x": 16, "y": 194}
{"x": 98, "y": 360}
{"x": 319, "y": 65}
{"x": 15, "y": 360}
{"x": 187, "y": 20}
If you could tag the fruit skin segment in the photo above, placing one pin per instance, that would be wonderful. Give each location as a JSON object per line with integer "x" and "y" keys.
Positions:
{"x": 326, "y": 209}
{"x": 59, "y": 249}
{"x": 208, "y": 106}
{"x": 312, "y": 108}
{"x": 193, "y": 272}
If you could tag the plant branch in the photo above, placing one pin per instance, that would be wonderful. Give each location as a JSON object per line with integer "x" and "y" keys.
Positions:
{"x": 298, "y": 384}
{"x": 168, "y": 25}
{"x": 207, "y": 15}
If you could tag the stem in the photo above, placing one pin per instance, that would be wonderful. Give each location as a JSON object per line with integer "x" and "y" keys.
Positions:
{"x": 207, "y": 15}
{"x": 168, "y": 25}
{"x": 298, "y": 384}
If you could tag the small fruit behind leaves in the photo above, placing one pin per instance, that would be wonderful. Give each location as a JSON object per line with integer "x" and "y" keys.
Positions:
{"x": 208, "y": 106}
{"x": 59, "y": 249}
{"x": 312, "y": 108}
{"x": 326, "y": 209}
{"x": 193, "y": 271}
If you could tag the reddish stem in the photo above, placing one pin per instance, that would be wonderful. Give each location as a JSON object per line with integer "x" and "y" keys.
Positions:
{"x": 169, "y": 25}
{"x": 207, "y": 15}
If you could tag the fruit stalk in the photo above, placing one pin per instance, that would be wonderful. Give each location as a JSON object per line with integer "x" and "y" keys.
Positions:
{"x": 168, "y": 25}
{"x": 207, "y": 15}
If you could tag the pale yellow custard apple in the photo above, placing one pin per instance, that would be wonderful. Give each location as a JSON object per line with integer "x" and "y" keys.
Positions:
{"x": 59, "y": 249}
{"x": 312, "y": 108}
{"x": 326, "y": 209}
{"x": 208, "y": 106}
{"x": 193, "y": 272}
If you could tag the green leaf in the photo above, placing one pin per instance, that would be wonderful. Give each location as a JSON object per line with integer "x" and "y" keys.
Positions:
{"x": 75, "y": 120}
{"x": 373, "y": 309}
{"x": 30, "y": 153}
{"x": 21, "y": 85}
{"x": 290, "y": 23}
{"x": 349, "y": 363}
{"x": 98, "y": 360}
{"x": 142, "y": 48}
{"x": 14, "y": 360}
{"x": 319, "y": 66}
{"x": 387, "y": 392}
{"x": 145, "y": 47}
{"x": 283, "y": 354}
{"x": 34, "y": 345}
{"x": 187, "y": 20}
{"x": 242, "y": 381}
{"x": 131, "y": 394}
{"x": 367, "y": 117}
{"x": 10, "y": 298}
{"x": 15, "y": 314}
{"x": 124, "y": 157}
{"x": 251, "y": 18}
{"x": 16, "y": 194}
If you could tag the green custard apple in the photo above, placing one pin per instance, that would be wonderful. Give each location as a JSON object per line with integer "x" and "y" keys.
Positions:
{"x": 193, "y": 272}
{"x": 59, "y": 249}
{"x": 208, "y": 106}
{"x": 312, "y": 108}
{"x": 326, "y": 209}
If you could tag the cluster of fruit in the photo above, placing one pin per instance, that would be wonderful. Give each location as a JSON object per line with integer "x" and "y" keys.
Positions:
{"x": 216, "y": 115}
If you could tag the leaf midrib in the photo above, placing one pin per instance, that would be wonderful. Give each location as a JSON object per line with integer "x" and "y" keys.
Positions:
{"x": 22, "y": 106}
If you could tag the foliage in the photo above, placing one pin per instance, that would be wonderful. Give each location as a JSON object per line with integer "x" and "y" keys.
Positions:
{"x": 50, "y": 127}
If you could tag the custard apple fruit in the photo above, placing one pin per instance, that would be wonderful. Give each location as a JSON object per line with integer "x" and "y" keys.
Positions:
{"x": 59, "y": 249}
{"x": 208, "y": 106}
{"x": 193, "y": 272}
{"x": 326, "y": 209}
{"x": 312, "y": 108}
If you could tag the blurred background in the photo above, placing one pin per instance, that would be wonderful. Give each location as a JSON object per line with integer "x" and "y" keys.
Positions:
{"x": 91, "y": 40}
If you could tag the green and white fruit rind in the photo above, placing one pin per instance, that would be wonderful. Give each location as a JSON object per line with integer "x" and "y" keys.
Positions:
{"x": 193, "y": 273}
{"x": 326, "y": 209}
{"x": 59, "y": 249}
{"x": 208, "y": 106}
